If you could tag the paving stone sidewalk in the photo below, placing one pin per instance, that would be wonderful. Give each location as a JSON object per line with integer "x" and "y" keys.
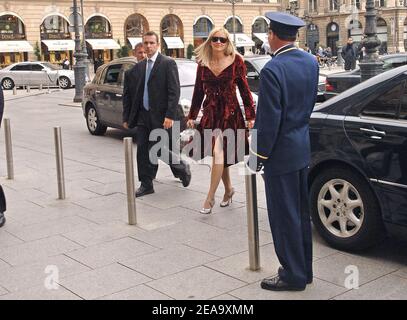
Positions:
{"x": 83, "y": 248}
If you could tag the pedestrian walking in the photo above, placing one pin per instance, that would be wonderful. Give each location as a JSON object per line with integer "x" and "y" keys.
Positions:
{"x": 65, "y": 64}
{"x": 349, "y": 54}
{"x": 220, "y": 69}
{"x": 287, "y": 95}
{"x": 150, "y": 101}
{"x": 2, "y": 197}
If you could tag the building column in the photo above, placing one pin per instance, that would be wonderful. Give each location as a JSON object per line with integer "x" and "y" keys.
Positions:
{"x": 400, "y": 29}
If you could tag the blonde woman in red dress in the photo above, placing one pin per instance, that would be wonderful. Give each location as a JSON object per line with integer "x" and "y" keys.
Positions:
{"x": 220, "y": 71}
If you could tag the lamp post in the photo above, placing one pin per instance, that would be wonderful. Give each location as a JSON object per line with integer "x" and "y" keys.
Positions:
{"x": 85, "y": 60}
{"x": 370, "y": 65}
{"x": 233, "y": 2}
{"x": 79, "y": 67}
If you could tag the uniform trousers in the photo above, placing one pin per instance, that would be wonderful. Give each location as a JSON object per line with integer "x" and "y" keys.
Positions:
{"x": 290, "y": 223}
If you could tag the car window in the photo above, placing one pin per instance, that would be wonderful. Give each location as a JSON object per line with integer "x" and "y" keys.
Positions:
{"x": 249, "y": 67}
{"x": 125, "y": 67}
{"x": 260, "y": 63}
{"x": 386, "y": 104}
{"x": 22, "y": 67}
{"x": 112, "y": 74}
{"x": 36, "y": 67}
{"x": 403, "y": 107}
{"x": 394, "y": 62}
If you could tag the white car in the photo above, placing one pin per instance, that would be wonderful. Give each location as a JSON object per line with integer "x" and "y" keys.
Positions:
{"x": 35, "y": 74}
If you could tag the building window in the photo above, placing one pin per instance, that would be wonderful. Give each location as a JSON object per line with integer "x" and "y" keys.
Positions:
{"x": 11, "y": 28}
{"x": 334, "y": 5}
{"x": 312, "y": 5}
{"x": 380, "y": 3}
{"x": 356, "y": 3}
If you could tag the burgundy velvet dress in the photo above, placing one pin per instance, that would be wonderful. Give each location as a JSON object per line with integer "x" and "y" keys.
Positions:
{"x": 221, "y": 110}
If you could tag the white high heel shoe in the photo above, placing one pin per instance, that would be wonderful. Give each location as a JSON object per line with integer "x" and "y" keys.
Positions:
{"x": 209, "y": 210}
{"x": 229, "y": 201}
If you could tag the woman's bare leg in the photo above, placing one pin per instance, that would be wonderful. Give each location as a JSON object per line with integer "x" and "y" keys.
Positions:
{"x": 216, "y": 172}
{"x": 227, "y": 182}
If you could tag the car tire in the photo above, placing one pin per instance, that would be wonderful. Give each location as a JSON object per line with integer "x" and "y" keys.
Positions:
{"x": 64, "y": 82}
{"x": 7, "y": 84}
{"x": 93, "y": 123}
{"x": 350, "y": 218}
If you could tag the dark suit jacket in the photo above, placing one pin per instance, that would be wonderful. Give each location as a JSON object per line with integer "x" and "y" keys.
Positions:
{"x": 163, "y": 91}
{"x": 1, "y": 104}
{"x": 287, "y": 95}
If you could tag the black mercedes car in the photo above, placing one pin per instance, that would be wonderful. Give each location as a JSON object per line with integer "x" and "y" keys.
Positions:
{"x": 341, "y": 81}
{"x": 358, "y": 172}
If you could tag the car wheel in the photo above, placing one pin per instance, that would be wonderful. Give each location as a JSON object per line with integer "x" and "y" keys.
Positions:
{"x": 64, "y": 82}
{"x": 7, "y": 84}
{"x": 92, "y": 120}
{"x": 345, "y": 210}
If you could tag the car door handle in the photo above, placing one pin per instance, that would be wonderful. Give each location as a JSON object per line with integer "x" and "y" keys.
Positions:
{"x": 375, "y": 134}
{"x": 119, "y": 95}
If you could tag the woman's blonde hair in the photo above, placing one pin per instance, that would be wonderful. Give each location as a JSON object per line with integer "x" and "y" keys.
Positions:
{"x": 204, "y": 52}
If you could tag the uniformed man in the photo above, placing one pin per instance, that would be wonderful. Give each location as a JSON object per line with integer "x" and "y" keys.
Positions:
{"x": 288, "y": 92}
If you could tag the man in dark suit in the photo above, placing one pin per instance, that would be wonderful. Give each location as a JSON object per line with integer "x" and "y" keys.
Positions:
{"x": 150, "y": 101}
{"x": 280, "y": 143}
{"x": 2, "y": 198}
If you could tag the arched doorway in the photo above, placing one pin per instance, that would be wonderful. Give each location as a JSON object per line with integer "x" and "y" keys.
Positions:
{"x": 355, "y": 30}
{"x": 99, "y": 38}
{"x": 332, "y": 37}
{"x": 56, "y": 42}
{"x": 13, "y": 46}
{"x": 202, "y": 27}
{"x": 382, "y": 35}
{"x": 260, "y": 28}
{"x": 313, "y": 37}
{"x": 242, "y": 41}
{"x": 172, "y": 36}
{"x": 136, "y": 25}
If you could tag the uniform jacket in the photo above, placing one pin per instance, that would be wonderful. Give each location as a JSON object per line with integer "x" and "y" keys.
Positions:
{"x": 287, "y": 95}
{"x": 163, "y": 90}
{"x": 1, "y": 104}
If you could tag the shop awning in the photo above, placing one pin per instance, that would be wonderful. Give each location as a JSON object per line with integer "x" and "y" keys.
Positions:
{"x": 135, "y": 41}
{"x": 174, "y": 42}
{"x": 60, "y": 45}
{"x": 103, "y": 44}
{"x": 263, "y": 37}
{"x": 15, "y": 46}
{"x": 243, "y": 41}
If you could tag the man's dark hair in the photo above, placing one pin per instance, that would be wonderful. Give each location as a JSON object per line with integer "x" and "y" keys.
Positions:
{"x": 284, "y": 33}
{"x": 152, "y": 33}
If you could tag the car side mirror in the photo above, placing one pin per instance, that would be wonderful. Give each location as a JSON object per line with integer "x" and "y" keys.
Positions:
{"x": 253, "y": 75}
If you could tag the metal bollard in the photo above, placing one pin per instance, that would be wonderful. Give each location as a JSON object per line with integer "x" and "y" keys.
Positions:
{"x": 28, "y": 89}
{"x": 60, "y": 163}
{"x": 14, "y": 90}
{"x": 9, "y": 149}
{"x": 40, "y": 88}
{"x": 131, "y": 200}
{"x": 252, "y": 221}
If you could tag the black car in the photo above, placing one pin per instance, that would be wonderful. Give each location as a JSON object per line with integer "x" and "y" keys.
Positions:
{"x": 358, "y": 172}
{"x": 341, "y": 81}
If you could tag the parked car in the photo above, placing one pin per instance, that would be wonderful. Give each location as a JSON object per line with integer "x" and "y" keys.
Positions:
{"x": 358, "y": 172}
{"x": 36, "y": 74}
{"x": 341, "y": 81}
{"x": 102, "y": 104}
{"x": 255, "y": 63}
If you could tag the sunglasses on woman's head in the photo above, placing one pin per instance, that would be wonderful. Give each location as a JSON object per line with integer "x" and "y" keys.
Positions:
{"x": 221, "y": 39}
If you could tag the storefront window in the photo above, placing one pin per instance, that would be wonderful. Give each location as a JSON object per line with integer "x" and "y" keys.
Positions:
{"x": 11, "y": 28}
{"x": 55, "y": 27}
{"x": 238, "y": 25}
{"x": 98, "y": 27}
{"x": 136, "y": 26}
{"x": 172, "y": 34}
{"x": 202, "y": 28}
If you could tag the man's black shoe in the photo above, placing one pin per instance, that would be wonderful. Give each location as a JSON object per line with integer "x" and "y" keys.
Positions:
{"x": 276, "y": 284}
{"x": 185, "y": 177}
{"x": 142, "y": 191}
{"x": 2, "y": 219}
{"x": 281, "y": 269}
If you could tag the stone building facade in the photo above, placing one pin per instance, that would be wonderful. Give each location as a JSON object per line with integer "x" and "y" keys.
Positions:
{"x": 31, "y": 30}
{"x": 331, "y": 22}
